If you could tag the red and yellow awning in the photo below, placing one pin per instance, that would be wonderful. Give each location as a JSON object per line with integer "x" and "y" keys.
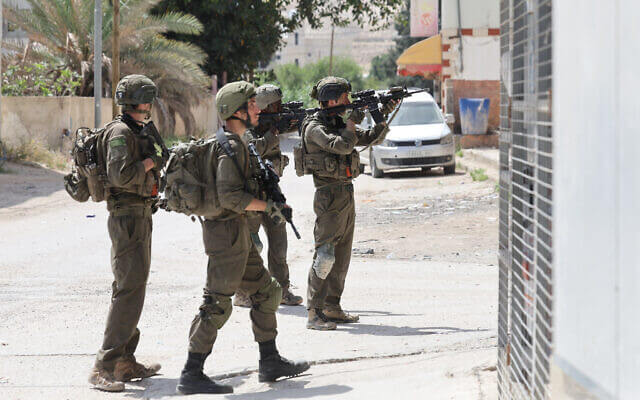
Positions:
{"x": 423, "y": 58}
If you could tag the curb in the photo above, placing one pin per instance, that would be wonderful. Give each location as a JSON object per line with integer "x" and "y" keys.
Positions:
{"x": 474, "y": 159}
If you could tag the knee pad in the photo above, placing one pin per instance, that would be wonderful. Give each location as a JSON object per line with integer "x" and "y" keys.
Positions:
{"x": 267, "y": 299}
{"x": 216, "y": 309}
{"x": 325, "y": 258}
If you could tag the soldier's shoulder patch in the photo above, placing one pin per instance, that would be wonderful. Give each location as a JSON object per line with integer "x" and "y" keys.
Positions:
{"x": 117, "y": 142}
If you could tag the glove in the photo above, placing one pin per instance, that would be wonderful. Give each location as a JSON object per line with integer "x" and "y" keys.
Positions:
{"x": 376, "y": 115}
{"x": 355, "y": 115}
{"x": 388, "y": 108}
{"x": 275, "y": 210}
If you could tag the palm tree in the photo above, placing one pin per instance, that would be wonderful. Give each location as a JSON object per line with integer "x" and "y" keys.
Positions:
{"x": 61, "y": 32}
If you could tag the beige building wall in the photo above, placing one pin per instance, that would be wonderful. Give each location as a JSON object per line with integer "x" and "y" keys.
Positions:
{"x": 360, "y": 44}
{"x": 45, "y": 119}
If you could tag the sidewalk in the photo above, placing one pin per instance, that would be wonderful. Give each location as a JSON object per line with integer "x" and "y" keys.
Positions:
{"x": 487, "y": 159}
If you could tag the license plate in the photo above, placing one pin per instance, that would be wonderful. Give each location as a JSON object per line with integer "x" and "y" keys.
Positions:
{"x": 415, "y": 154}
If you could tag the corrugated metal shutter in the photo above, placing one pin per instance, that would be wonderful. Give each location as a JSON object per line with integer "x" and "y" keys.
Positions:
{"x": 525, "y": 240}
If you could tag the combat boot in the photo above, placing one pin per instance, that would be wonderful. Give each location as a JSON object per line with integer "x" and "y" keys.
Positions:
{"x": 340, "y": 317}
{"x": 102, "y": 379}
{"x": 318, "y": 321}
{"x": 127, "y": 368}
{"x": 241, "y": 299}
{"x": 275, "y": 366}
{"x": 290, "y": 299}
{"x": 193, "y": 380}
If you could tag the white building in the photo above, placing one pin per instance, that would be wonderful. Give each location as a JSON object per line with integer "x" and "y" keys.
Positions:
{"x": 307, "y": 45}
{"x": 569, "y": 221}
{"x": 471, "y": 54}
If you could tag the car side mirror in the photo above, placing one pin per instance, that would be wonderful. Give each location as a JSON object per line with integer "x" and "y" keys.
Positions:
{"x": 449, "y": 118}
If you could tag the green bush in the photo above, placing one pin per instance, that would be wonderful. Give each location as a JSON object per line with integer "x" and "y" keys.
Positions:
{"x": 479, "y": 175}
{"x": 296, "y": 82}
{"x": 39, "y": 79}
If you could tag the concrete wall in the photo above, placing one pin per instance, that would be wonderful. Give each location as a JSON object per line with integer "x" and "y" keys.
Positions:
{"x": 44, "y": 118}
{"x": 474, "y": 14}
{"x": 457, "y": 89}
{"x": 596, "y": 226}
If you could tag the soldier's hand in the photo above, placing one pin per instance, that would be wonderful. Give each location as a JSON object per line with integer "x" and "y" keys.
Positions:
{"x": 389, "y": 107}
{"x": 149, "y": 164}
{"x": 275, "y": 211}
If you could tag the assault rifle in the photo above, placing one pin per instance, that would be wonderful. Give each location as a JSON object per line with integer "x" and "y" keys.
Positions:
{"x": 268, "y": 181}
{"x": 292, "y": 112}
{"x": 149, "y": 129}
{"x": 371, "y": 100}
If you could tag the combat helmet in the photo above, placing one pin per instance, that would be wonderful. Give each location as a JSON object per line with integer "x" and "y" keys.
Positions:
{"x": 330, "y": 88}
{"x": 267, "y": 94}
{"x": 135, "y": 89}
{"x": 232, "y": 96}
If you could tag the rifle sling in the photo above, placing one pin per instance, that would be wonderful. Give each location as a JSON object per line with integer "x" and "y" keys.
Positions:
{"x": 226, "y": 146}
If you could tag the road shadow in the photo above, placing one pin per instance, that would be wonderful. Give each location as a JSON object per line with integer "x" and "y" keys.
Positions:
{"x": 22, "y": 182}
{"x": 369, "y": 313}
{"x": 435, "y": 172}
{"x": 389, "y": 330}
{"x": 158, "y": 387}
{"x": 292, "y": 389}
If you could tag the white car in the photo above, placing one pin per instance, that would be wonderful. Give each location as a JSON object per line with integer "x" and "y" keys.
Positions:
{"x": 419, "y": 137}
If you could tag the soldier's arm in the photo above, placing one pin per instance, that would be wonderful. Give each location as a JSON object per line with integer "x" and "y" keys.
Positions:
{"x": 373, "y": 136}
{"x": 329, "y": 142}
{"x": 122, "y": 169}
{"x": 230, "y": 182}
{"x": 266, "y": 143}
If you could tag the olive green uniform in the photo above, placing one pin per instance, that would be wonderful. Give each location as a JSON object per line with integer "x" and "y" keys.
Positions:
{"x": 129, "y": 204}
{"x": 330, "y": 151}
{"x": 234, "y": 261}
{"x": 268, "y": 146}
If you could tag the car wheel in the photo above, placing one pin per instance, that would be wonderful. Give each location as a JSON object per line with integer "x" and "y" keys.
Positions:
{"x": 375, "y": 171}
{"x": 450, "y": 169}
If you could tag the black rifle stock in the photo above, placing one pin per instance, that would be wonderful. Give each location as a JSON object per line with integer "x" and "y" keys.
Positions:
{"x": 269, "y": 179}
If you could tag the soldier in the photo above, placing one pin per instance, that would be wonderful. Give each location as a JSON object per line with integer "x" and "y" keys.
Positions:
{"x": 234, "y": 261}
{"x": 131, "y": 165}
{"x": 328, "y": 141}
{"x": 265, "y": 138}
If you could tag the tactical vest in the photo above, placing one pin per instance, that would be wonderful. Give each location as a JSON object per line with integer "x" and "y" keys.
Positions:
{"x": 322, "y": 163}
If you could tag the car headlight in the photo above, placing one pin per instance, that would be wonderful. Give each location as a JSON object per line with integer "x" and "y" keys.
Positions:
{"x": 447, "y": 139}
{"x": 387, "y": 143}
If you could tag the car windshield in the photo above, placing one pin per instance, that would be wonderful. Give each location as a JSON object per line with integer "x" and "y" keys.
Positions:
{"x": 417, "y": 114}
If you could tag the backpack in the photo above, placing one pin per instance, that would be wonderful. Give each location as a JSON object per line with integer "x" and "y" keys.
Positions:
{"x": 89, "y": 174}
{"x": 188, "y": 180}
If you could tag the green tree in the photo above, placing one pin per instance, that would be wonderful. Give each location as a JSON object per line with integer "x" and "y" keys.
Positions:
{"x": 61, "y": 33}
{"x": 296, "y": 82}
{"x": 241, "y": 35}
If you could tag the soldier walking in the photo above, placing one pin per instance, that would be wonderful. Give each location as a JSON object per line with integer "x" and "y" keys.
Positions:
{"x": 131, "y": 165}
{"x": 234, "y": 261}
{"x": 328, "y": 141}
{"x": 265, "y": 138}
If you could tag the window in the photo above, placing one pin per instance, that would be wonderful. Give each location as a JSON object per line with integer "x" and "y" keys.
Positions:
{"x": 296, "y": 38}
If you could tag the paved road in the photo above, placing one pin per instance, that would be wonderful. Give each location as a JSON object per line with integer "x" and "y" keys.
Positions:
{"x": 427, "y": 330}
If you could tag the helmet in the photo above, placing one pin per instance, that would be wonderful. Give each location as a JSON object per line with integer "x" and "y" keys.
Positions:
{"x": 267, "y": 94}
{"x": 330, "y": 88}
{"x": 135, "y": 89}
{"x": 232, "y": 96}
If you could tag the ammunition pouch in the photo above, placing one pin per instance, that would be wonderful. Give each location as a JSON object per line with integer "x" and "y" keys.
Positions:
{"x": 328, "y": 165}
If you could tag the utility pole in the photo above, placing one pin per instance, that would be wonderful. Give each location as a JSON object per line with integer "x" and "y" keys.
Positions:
{"x": 331, "y": 52}
{"x": 115, "y": 60}
{"x": 97, "y": 61}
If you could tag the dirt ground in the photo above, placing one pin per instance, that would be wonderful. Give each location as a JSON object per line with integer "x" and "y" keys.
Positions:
{"x": 423, "y": 278}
